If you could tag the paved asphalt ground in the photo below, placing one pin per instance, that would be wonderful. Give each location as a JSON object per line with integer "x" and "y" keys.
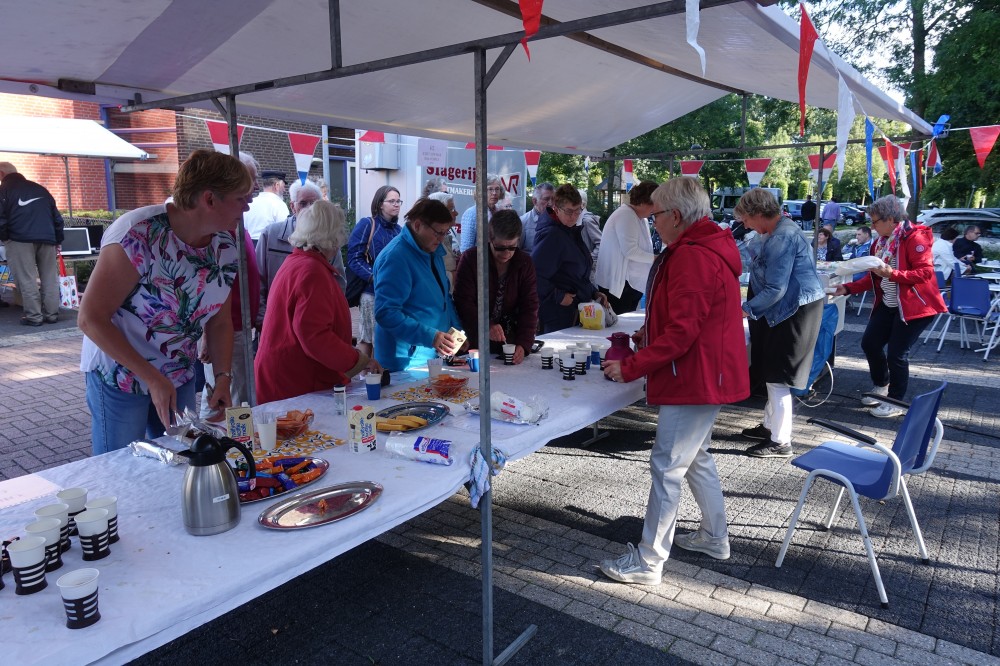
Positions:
{"x": 413, "y": 596}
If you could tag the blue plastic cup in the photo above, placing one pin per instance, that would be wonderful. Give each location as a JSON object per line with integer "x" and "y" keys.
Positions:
{"x": 373, "y": 384}
{"x": 473, "y": 360}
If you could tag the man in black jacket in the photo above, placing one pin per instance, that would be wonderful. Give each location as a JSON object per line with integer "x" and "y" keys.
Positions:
{"x": 808, "y": 212}
{"x": 32, "y": 228}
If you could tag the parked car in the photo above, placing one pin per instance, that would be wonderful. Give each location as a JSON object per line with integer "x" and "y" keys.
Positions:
{"x": 988, "y": 222}
{"x": 794, "y": 208}
{"x": 852, "y": 214}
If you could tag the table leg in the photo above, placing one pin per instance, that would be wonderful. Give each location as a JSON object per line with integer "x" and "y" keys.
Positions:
{"x": 597, "y": 436}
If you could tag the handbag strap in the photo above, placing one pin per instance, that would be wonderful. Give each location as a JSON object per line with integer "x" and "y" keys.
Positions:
{"x": 368, "y": 246}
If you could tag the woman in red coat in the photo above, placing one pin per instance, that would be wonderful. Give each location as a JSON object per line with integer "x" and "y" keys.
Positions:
{"x": 694, "y": 360}
{"x": 305, "y": 343}
{"x": 513, "y": 304}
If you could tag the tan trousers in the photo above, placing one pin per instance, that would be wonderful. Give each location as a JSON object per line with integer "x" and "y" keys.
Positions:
{"x": 31, "y": 263}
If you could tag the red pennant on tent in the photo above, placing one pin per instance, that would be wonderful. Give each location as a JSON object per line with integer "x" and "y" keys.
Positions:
{"x": 983, "y": 139}
{"x": 531, "y": 17}
{"x": 219, "y": 133}
{"x": 472, "y": 146}
{"x": 934, "y": 166}
{"x": 890, "y": 163}
{"x": 691, "y": 167}
{"x": 303, "y": 147}
{"x": 372, "y": 137}
{"x": 829, "y": 161}
{"x": 807, "y": 39}
{"x": 755, "y": 169}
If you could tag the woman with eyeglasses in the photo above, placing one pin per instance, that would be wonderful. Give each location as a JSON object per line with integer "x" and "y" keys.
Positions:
{"x": 513, "y": 296}
{"x": 562, "y": 263}
{"x": 907, "y": 298}
{"x": 627, "y": 250}
{"x": 364, "y": 246}
{"x": 413, "y": 306}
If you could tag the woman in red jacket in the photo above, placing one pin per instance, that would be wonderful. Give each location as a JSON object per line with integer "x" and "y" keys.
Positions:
{"x": 906, "y": 299}
{"x": 305, "y": 342}
{"x": 695, "y": 360}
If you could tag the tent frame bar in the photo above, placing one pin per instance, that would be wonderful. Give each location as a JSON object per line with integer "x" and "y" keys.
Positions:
{"x": 610, "y": 19}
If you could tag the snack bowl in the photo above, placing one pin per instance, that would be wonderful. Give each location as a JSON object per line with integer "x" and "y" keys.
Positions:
{"x": 446, "y": 384}
{"x": 294, "y": 423}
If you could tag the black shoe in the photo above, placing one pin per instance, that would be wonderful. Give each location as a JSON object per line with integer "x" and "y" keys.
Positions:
{"x": 27, "y": 322}
{"x": 758, "y": 432}
{"x": 51, "y": 320}
{"x": 770, "y": 449}
{"x": 4, "y": 304}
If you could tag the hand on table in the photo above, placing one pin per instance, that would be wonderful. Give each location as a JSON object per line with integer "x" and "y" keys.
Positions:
{"x": 613, "y": 370}
{"x": 602, "y": 298}
{"x": 373, "y": 366}
{"x": 497, "y": 334}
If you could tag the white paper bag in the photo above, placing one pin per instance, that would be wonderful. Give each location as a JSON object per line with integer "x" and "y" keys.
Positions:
{"x": 69, "y": 297}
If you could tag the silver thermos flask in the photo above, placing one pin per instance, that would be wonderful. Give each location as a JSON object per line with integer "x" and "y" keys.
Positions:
{"x": 210, "y": 498}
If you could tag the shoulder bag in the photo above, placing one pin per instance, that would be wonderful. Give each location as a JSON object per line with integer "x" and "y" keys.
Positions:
{"x": 356, "y": 285}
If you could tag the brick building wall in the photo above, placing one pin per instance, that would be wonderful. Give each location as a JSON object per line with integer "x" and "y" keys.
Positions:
{"x": 150, "y": 181}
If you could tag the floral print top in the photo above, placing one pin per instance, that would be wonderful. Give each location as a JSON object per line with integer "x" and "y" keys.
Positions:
{"x": 180, "y": 288}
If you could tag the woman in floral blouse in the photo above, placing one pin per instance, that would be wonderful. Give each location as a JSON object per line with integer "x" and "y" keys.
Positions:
{"x": 163, "y": 279}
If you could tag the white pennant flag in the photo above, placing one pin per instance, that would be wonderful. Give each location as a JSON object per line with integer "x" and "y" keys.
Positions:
{"x": 845, "y": 118}
{"x": 692, "y": 18}
{"x": 901, "y": 173}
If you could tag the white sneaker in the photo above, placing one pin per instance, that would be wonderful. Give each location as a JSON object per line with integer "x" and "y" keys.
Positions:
{"x": 697, "y": 542}
{"x": 886, "y": 411}
{"x": 629, "y": 569}
{"x": 873, "y": 402}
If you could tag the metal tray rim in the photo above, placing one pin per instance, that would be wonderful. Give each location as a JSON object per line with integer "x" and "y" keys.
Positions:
{"x": 389, "y": 412}
{"x": 265, "y": 519}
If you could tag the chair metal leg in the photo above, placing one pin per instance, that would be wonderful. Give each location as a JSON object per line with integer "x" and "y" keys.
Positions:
{"x": 913, "y": 522}
{"x": 862, "y": 303}
{"x": 795, "y": 519}
{"x": 933, "y": 327}
{"x": 944, "y": 331}
{"x": 869, "y": 550}
{"x": 833, "y": 509}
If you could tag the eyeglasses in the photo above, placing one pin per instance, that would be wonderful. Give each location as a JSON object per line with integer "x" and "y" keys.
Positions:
{"x": 439, "y": 234}
{"x": 655, "y": 213}
{"x": 572, "y": 212}
{"x": 877, "y": 220}
{"x": 504, "y": 248}
{"x": 394, "y": 202}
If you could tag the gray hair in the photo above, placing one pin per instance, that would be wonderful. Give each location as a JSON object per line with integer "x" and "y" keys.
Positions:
{"x": 250, "y": 162}
{"x": 443, "y": 197}
{"x": 493, "y": 178}
{"x": 432, "y": 186}
{"x": 583, "y": 197}
{"x": 309, "y": 186}
{"x": 685, "y": 195}
{"x": 321, "y": 226}
{"x": 888, "y": 207}
{"x": 7, "y": 168}
{"x": 758, "y": 202}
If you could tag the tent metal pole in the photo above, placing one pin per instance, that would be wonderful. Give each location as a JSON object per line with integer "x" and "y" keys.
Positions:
{"x": 69, "y": 190}
{"x": 234, "y": 150}
{"x": 336, "y": 57}
{"x": 743, "y": 121}
{"x": 819, "y": 197}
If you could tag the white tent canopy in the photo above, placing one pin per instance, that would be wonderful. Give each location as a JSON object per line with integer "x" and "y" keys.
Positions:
{"x": 64, "y": 137}
{"x": 580, "y": 93}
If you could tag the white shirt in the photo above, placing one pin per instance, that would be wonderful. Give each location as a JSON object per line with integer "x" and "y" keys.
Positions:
{"x": 266, "y": 208}
{"x": 626, "y": 252}
{"x": 944, "y": 257}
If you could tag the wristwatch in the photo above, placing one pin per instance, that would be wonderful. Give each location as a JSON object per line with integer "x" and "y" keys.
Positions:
{"x": 224, "y": 373}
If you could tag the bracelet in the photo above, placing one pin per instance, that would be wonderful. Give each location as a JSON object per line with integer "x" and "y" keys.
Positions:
{"x": 224, "y": 374}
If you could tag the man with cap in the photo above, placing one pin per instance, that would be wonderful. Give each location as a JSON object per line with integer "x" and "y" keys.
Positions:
{"x": 269, "y": 206}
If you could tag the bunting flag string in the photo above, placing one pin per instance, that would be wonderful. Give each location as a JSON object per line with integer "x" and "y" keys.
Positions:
{"x": 901, "y": 169}
{"x": 756, "y": 168}
{"x": 934, "y": 166}
{"x": 807, "y": 40}
{"x": 531, "y": 158}
{"x": 472, "y": 146}
{"x": 916, "y": 157}
{"x": 218, "y": 130}
{"x": 531, "y": 18}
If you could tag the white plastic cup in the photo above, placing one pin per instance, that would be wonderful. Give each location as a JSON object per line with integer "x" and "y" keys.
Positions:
{"x": 78, "y": 584}
{"x": 92, "y": 522}
{"x": 47, "y": 528}
{"x": 58, "y": 511}
{"x": 26, "y": 551}
{"x": 110, "y": 504}
{"x": 74, "y": 498}
{"x": 508, "y": 354}
{"x": 267, "y": 431}
{"x": 434, "y": 367}
{"x": 603, "y": 348}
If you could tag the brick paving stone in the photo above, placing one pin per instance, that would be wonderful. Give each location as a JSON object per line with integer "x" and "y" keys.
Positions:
{"x": 912, "y": 655}
{"x": 544, "y": 596}
{"x": 777, "y": 597}
{"x": 860, "y": 638}
{"x": 797, "y": 652}
{"x": 724, "y": 627}
{"x": 592, "y": 554}
{"x": 738, "y": 600}
{"x": 746, "y": 654}
{"x": 686, "y": 630}
{"x": 631, "y": 611}
{"x": 962, "y": 654}
{"x": 667, "y": 606}
{"x": 507, "y": 582}
{"x": 830, "y": 660}
{"x": 632, "y": 593}
{"x": 585, "y": 594}
{"x": 530, "y": 560}
{"x": 901, "y": 634}
{"x": 826, "y": 644}
{"x": 643, "y": 634}
{"x": 587, "y": 539}
{"x": 588, "y": 613}
{"x": 835, "y": 614}
{"x": 704, "y": 603}
{"x": 563, "y": 556}
{"x": 689, "y": 583}
{"x": 700, "y": 655}
{"x": 798, "y": 618}
{"x": 867, "y": 657}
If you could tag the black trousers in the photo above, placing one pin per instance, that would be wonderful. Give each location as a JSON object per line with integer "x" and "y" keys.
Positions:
{"x": 628, "y": 302}
{"x": 886, "y": 343}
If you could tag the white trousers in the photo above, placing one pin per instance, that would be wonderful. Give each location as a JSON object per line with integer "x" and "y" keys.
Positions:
{"x": 778, "y": 413}
{"x": 680, "y": 452}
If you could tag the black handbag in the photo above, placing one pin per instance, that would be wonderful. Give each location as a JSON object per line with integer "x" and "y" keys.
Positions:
{"x": 357, "y": 285}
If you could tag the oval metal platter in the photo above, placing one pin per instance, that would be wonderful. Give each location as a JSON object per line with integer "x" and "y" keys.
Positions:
{"x": 316, "y": 463}
{"x": 319, "y": 507}
{"x": 434, "y": 412}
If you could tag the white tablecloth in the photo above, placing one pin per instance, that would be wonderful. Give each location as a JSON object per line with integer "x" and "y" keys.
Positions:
{"x": 160, "y": 582}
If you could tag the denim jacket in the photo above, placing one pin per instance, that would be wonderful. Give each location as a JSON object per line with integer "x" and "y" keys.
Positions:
{"x": 782, "y": 274}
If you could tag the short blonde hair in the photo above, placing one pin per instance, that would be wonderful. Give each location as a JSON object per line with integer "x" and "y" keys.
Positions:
{"x": 208, "y": 170}
{"x": 757, "y": 202}
{"x": 321, "y": 226}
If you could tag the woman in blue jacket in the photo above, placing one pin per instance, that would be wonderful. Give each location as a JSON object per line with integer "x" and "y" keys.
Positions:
{"x": 562, "y": 263}
{"x": 413, "y": 306}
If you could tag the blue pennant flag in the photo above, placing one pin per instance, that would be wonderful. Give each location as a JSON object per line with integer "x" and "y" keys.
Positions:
{"x": 869, "y": 134}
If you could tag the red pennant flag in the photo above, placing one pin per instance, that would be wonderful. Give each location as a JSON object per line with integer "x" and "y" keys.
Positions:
{"x": 303, "y": 147}
{"x": 890, "y": 163}
{"x": 472, "y": 146}
{"x": 372, "y": 137}
{"x": 983, "y": 139}
{"x": 920, "y": 171}
{"x": 691, "y": 167}
{"x": 219, "y": 133}
{"x": 756, "y": 168}
{"x": 531, "y": 17}
{"x": 934, "y": 165}
{"x": 807, "y": 39}
{"x": 828, "y": 163}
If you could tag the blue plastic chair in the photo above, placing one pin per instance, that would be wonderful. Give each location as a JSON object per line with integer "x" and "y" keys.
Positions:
{"x": 970, "y": 300}
{"x": 876, "y": 472}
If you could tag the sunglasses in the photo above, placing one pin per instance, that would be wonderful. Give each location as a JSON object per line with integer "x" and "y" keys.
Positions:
{"x": 504, "y": 248}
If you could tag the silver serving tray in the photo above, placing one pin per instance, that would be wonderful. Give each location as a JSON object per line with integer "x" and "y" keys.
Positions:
{"x": 318, "y": 463}
{"x": 434, "y": 412}
{"x": 319, "y": 507}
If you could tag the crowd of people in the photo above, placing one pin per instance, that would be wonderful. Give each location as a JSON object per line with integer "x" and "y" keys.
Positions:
{"x": 161, "y": 298}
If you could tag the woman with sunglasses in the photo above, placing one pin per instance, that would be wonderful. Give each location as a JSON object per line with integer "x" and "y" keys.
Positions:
{"x": 413, "y": 306}
{"x": 513, "y": 299}
{"x": 562, "y": 263}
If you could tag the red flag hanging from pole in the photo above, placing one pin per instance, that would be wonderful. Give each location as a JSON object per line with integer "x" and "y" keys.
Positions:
{"x": 983, "y": 139}
{"x": 807, "y": 39}
{"x": 889, "y": 155}
{"x": 531, "y": 17}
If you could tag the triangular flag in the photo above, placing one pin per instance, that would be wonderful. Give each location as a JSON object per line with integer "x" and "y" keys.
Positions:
{"x": 531, "y": 158}
{"x": 627, "y": 177}
{"x": 219, "y": 132}
{"x": 756, "y": 169}
{"x": 983, "y": 139}
{"x": 807, "y": 39}
{"x": 586, "y": 165}
{"x": 934, "y": 166}
{"x": 901, "y": 170}
{"x": 869, "y": 136}
{"x": 845, "y": 118}
{"x": 472, "y": 146}
{"x": 889, "y": 157}
{"x": 303, "y": 147}
{"x": 916, "y": 160}
{"x": 531, "y": 18}
{"x": 372, "y": 137}
{"x": 828, "y": 162}
{"x": 692, "y": 21}
{"x": 691, "y": 167}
